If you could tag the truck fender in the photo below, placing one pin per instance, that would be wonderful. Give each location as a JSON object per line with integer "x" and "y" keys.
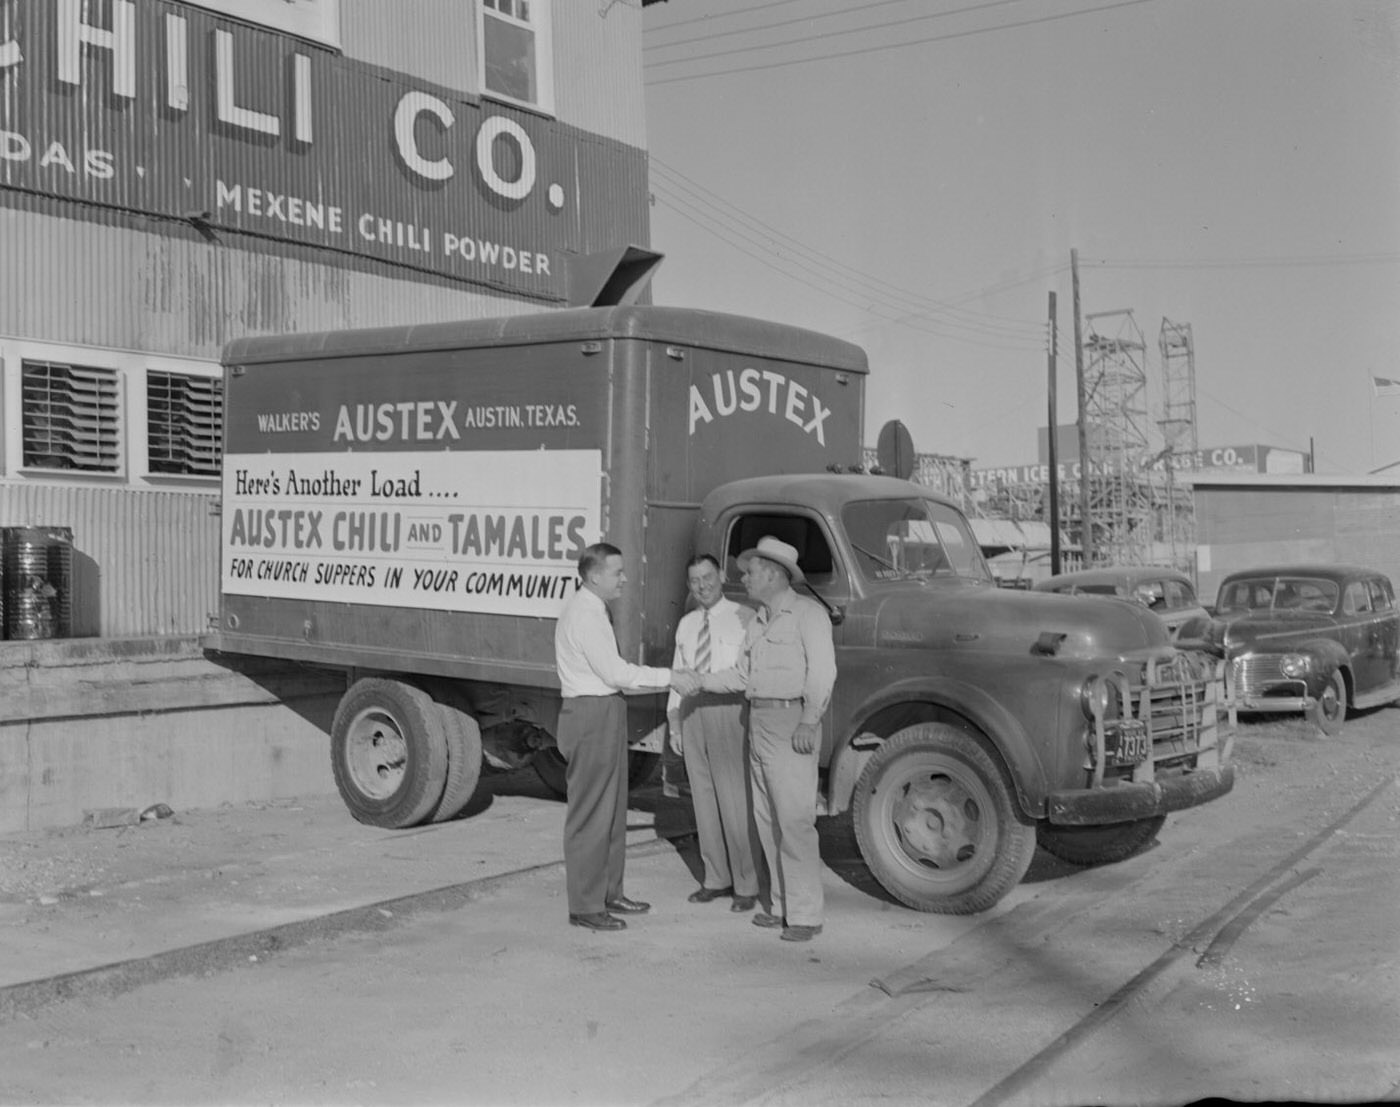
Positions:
{"x": 981, "y": 714}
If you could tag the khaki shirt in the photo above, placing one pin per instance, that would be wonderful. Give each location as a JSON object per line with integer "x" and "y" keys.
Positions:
{"x": 788, "y": 654}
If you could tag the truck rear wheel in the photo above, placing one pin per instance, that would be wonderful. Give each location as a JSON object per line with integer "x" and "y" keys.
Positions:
{"x": 1098, "y": 845}
{"x": 389, "y": 752}
{"x": 936, "y": 822}
{"x": 463, "y": 762}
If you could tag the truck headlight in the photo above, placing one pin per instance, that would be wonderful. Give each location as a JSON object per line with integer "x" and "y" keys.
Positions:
{"x": 1093, "y": 698}
{"x": 1294, "y": 665}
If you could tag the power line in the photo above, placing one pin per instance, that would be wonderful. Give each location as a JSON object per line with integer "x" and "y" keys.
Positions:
{"x": 878, "y": 49}
{"x": 1249, "y": 263}
{"x": 719, "y": 15}
{"x": 727, "y": 212}
{"x": 823, "y": 35}
{"x": 735, "y": 239}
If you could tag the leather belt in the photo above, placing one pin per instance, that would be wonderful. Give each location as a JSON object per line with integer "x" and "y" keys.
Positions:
{"x": 765, "y": 701}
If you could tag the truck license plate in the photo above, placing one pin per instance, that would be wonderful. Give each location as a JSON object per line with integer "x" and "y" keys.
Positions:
{"x": 1133, "y": 746}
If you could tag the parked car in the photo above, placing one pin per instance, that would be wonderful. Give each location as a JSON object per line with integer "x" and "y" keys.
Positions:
{"x": 1166, "y": 591}
{"x": 1311, "y": 638}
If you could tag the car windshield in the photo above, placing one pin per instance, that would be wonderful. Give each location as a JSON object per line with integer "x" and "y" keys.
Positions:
{"x": 912, "y": 538}
{"x": 1278, "y": 594}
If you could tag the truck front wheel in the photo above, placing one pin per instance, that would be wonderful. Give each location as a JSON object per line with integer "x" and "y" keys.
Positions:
{"x": 937, "y": 824}
{"x": 1098, "y": 845}
{"x": 389, "y": 752}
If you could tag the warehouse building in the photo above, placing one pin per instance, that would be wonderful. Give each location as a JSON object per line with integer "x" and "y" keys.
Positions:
{"x": 175, "y": 175}
{"x": 1247, "y": 519}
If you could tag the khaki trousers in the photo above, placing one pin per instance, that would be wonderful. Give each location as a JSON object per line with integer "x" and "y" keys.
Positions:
{"x": 717, "y": 765}
{"x": 592, "y": 736}
{"x": 785, "y": 814}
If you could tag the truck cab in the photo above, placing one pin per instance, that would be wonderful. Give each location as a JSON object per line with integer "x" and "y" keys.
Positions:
{"x": 967, "y": 720}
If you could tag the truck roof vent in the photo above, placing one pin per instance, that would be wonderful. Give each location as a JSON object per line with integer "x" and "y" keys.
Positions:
{"x": 609, "y": 277}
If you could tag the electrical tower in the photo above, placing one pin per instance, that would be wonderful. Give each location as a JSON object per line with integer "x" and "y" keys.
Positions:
{"x": 1178, "y": 423}
{"x": 1119, "y": 461}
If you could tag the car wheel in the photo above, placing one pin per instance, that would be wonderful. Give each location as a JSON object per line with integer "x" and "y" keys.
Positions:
{"x": 1330, "y": 711}
{"x": 937, "y": 824}
{"x": 389, "y": 752}
{"x": 1098, "y": 845}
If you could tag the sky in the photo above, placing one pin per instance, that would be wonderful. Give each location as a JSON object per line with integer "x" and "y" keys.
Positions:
{"x": 912, "y": 176}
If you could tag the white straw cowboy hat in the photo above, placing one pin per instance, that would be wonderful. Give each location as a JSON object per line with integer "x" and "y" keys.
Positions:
{"x": 776, "y": 551}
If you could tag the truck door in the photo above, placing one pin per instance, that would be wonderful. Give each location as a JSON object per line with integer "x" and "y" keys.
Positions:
{"x": 806, "y": 532}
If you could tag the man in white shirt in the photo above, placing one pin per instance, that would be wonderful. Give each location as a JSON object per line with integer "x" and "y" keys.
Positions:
{"x": 708, "y": 729}
{"x": 592, "y": 736}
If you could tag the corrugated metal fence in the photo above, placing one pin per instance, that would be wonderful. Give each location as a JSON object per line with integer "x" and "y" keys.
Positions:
{"x": 145, "y": 561}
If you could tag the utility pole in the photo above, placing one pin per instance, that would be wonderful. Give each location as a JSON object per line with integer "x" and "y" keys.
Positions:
{"x": 1086, "y": 518}
{"x": 1053, "y": 454}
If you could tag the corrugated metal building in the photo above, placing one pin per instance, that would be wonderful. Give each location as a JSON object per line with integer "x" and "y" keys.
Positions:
{"x": 176, "y": 175}
{"x": 1244, "y": 520}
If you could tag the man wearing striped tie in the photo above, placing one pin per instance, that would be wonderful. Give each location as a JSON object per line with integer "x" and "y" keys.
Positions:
{"x": 709, "y": 730}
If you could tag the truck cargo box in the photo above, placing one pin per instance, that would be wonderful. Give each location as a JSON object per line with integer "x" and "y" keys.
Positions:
{"x": 414, "y": 498}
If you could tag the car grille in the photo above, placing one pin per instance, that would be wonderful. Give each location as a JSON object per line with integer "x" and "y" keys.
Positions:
{"x": 1254, "y": 673}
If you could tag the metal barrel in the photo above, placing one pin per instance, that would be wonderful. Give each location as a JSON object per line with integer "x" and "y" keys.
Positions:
{"x": 38, "y": 591}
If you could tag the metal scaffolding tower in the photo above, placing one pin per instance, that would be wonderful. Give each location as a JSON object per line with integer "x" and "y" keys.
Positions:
{"x": 1178, "y": 423}
{"x": 1120, "y": 453}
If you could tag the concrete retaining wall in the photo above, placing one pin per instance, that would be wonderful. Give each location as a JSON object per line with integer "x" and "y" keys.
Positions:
{"x": 102, "y": 723}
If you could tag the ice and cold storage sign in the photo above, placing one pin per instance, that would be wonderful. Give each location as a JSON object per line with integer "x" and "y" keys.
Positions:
{"x": 462, "y": 492}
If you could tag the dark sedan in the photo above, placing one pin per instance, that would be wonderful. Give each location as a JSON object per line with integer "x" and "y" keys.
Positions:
{"x": 1167, "y": 592}
{"x": 1311, "y": 638}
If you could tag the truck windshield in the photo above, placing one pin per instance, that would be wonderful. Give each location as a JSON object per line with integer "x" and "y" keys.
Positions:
{"x": 913, "y": 538}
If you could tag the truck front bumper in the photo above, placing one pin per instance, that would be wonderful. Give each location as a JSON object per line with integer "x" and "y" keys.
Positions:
{"x": 1121, "y": 803}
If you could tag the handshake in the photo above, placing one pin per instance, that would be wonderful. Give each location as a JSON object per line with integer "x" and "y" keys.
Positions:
{"x": 686, "y": 682}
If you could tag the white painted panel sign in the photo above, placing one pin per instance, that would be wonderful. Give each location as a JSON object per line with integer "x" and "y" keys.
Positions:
{"x": 498, "y": 532}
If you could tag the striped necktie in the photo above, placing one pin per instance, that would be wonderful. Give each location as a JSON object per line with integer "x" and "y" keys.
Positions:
{"x": 702, "y": 645}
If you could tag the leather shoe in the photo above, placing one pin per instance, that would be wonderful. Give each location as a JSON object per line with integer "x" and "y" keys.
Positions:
{"x": 800, "y": 933}
{"x": 624, "y": 906}
{"x": 763, "y": 918}
{"x": 705, "y": 895}
{"x": 600, "y": 920}
{"x": 743, "y": 903}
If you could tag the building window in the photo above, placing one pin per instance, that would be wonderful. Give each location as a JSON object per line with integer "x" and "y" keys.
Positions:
{"x": 71, "y": 417}
{"x": 184, "y": 423}
{"x": 516, "y": 61}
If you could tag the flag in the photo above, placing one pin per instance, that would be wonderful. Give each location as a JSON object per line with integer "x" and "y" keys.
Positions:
{"x": 1384, "y": 386}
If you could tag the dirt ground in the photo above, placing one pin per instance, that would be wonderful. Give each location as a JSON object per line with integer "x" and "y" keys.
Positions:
{"x": 493, "y": 999}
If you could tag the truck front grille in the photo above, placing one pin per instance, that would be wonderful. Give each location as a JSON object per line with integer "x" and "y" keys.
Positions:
{"x": 1179, "y": 703}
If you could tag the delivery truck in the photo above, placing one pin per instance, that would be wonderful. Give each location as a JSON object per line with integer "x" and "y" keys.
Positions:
{"x": 407, "y": 505}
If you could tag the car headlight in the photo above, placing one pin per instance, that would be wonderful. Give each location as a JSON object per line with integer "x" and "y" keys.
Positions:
{"x": 1093, "y": 698}
{"x": 1294, "y": 665}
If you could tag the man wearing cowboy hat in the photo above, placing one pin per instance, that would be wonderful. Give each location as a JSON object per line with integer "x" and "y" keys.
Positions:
{"x": 787, "y": 669}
